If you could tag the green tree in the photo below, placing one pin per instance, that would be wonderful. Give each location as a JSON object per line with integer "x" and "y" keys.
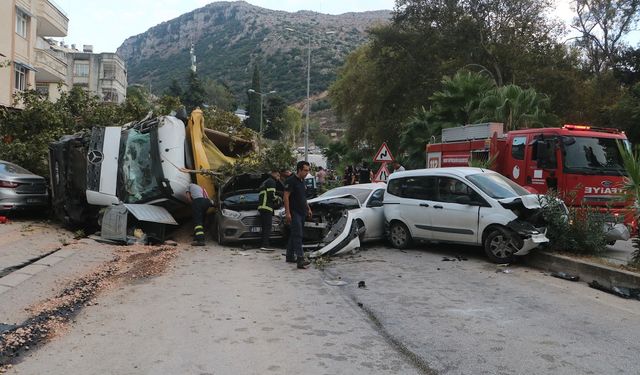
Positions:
{"x": 602, "y": 25}
{"x": 631, "y": 160}
{"x": 417, "y": 133}
{"x": 220, "y": 95}
{"x": 516, "y": 107}
{"x": 174, "y": 89}
{"x": 292, "y": 125}
{"x": 195, "y": 94}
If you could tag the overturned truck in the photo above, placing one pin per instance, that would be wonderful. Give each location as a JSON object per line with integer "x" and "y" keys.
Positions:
{"x": 141, "y": 162}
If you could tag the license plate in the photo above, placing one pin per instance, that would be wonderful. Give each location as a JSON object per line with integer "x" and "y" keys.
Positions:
{"x": 256, "y": 229}
{"x": 34, "y": 200}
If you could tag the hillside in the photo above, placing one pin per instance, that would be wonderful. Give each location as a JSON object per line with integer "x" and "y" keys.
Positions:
{"x": 230, "y": 37}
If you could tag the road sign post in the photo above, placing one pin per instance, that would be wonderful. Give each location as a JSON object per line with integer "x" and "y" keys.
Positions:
{"x": 383, "y": 156}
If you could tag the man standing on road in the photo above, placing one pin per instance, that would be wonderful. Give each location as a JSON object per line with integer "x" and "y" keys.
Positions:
{"x": 296, "y": 208}
{"x": 267, "y": 198}
{"x": 200, "y": 203}
{"x": 365, "y": 174}
{"x": 397, "y": 167}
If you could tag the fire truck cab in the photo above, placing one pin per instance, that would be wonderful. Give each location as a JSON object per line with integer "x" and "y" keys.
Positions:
{"x": 582, "y": 163}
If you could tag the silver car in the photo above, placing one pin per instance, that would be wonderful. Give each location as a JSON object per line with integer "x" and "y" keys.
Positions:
{"x": 237, "y": 216}
{"x": 21, "y": 189}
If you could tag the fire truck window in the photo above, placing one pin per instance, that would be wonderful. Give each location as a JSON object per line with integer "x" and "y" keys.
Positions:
{"x": 518, "y": 147}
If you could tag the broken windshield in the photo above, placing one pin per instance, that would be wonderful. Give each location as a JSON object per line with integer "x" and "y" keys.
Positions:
{"x": 136, "y": 172}
{"x": 592, "y": 155}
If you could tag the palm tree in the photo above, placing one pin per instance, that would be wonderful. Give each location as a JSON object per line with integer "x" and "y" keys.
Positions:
{"x": 631, "y": 160}
{"x": 415, "y": 136}
{"x": 515, "y": 107}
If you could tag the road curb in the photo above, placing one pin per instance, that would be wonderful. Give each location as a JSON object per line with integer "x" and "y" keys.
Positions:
{"x": 588, "y": 271}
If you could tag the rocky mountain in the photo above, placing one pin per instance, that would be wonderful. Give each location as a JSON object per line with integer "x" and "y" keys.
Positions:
{"x": 229, "y": 38}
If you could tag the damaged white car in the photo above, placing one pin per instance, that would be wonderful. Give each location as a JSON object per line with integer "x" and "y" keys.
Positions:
{"x": 343, "y": 218}
{"x": 464, "y": 205}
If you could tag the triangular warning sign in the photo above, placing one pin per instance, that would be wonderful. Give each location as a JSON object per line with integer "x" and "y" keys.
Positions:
{"x": 383, "y": 155}
{"x": 382, "y": 175}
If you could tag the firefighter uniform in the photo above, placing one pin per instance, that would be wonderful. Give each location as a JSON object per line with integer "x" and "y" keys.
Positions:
{"x": 200, "y": 203}
{"x": 267, "y": 199}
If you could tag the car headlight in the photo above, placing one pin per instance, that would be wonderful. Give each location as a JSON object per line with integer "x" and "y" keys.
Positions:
{"x": 231, "y": 214}
{"x": 279, "y": 212}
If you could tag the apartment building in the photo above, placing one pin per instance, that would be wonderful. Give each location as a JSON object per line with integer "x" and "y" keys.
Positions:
{"x": 103, "y": 74}
{"x": 30, "y": 59}
{"x": 27, "y": 60}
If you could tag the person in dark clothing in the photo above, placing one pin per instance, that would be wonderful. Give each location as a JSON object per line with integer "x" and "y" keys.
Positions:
{"x": 349, "y": 177}
{"x": 365, "y": 175}
{"x": 267, "y": 202}
{"x": 296, "y": 209}
{"x": 200, "y": 203}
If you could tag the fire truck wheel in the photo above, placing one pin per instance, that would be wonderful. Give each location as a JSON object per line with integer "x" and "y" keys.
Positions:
{"x": 499, "y": 246}
{"x": 399, "y": 235}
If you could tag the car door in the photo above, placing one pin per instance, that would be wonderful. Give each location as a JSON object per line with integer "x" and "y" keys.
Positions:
{"x": 373, "y": 215}
{"x": 454, "y": 214}
{"x": 415, "y": 195}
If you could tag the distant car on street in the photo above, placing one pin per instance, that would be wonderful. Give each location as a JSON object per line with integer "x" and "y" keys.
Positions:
{"x": 21, "y": 189}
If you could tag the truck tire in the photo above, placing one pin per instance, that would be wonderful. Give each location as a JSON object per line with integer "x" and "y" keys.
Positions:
{"x": 399, "y": 235}
{"x": 499, "y": 246}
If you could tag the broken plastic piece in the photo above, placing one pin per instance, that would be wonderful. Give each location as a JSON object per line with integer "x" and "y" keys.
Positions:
{"x": 361, "y": 284}
{"x": 565, "y": 276}
{"x": 504, "y": 271}
{"x": 335, "y": 282}
{"x": 622, "y": 292}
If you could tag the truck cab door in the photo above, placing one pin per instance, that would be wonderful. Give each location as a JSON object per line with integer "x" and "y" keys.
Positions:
{"x": 542, "y": 165}
{"x": 516, "y": 167}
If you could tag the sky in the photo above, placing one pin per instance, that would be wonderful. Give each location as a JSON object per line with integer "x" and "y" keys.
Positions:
{"x": 105, "y": 24}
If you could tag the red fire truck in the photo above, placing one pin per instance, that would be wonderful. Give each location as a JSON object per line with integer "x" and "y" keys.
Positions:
{"x": 575, "y": 160}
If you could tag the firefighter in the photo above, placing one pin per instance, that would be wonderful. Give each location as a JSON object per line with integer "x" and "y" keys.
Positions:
{"x": 268, "y": 201}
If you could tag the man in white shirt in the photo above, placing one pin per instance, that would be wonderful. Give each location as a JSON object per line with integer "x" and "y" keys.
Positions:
{"x": 200, "y": 203}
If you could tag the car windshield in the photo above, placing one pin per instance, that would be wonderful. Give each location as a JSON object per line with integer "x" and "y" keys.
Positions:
{"x": 497, "y": 186}
{"x": 592, "y": 155}
{"x": 360, "y": 194}
{"x": 138, "y": 179}
{"x": 10, "y": 168}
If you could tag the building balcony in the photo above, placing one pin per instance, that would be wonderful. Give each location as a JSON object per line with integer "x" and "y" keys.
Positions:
{"x": 52, "y": 21}
{"x": 50, "y": 66}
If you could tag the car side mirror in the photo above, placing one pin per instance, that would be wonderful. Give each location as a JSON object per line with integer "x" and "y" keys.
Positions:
{"x": 375, "y": 204}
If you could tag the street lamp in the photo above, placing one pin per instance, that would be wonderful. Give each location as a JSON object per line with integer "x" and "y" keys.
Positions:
{"x": 306, "y": 126}
{"x": 262, "y": 95}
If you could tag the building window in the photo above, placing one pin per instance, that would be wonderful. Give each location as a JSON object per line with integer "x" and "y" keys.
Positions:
{"x": 110, "y": 96}
{"x": 22, "y": 22}
{"x": 109, "y": 71}
{"x": 21, "y": 78}
{"x": 81, "y": 69}
{"x": 43, "y": 90}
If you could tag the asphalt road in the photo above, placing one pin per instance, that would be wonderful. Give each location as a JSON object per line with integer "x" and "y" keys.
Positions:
{"x": 222, "y": 311}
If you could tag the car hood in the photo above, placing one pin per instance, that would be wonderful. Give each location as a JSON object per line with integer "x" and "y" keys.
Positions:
{"x": 242, "y": 183}
{"x": 530, "y": 201}
{"x": 335, "y": 198}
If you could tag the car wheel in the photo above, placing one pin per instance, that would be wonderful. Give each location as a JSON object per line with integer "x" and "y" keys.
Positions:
{"x": 399, "y": 235}
{"x": 499, "y": 247}
{"x": 220, "y": 236}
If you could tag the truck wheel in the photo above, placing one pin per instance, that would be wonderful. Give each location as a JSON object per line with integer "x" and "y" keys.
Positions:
{"x": 399, "y": 235}
{"x": 499, "y": 246}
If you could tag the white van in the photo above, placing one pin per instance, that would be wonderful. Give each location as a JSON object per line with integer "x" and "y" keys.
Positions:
{"x": 464, "y": 205}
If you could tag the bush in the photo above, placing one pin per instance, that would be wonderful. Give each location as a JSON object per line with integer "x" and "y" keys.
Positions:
{"x": 578, "y": 231}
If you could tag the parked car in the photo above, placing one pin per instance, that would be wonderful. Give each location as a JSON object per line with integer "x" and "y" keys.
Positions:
{"x": 467, "y": 206}
{"x": 21, "y": 189}
{"x": 237, "y": 217}
{"x": 343, "y": 218}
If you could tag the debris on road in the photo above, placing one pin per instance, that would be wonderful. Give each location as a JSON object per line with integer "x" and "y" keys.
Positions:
{"x": 565, "y": 276}
{"x": 336, "y": 282}
{"x": 4, "y": 220}
{"x": 361, "y": 284}
{"x": 622, "y": 292}
{"x": 504, "y": 271}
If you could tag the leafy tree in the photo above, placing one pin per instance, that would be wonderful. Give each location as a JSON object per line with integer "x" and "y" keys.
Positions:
{"x": 174, "y": 89}
{"x": 335, "y": 153}
{"x": 195, "y": 94}
{"x": 516, "y": 107}
{"x": 292, "y": 125}
{"x": 254, "y": 101}
{"x": 219, "y": 95}
{"x": 631, "y": 160}
{"x": 417, "y": 133}
{"x": 275, "y": 128}
{"x": 165, "y": 104}
{"x": 602, "y": 25}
